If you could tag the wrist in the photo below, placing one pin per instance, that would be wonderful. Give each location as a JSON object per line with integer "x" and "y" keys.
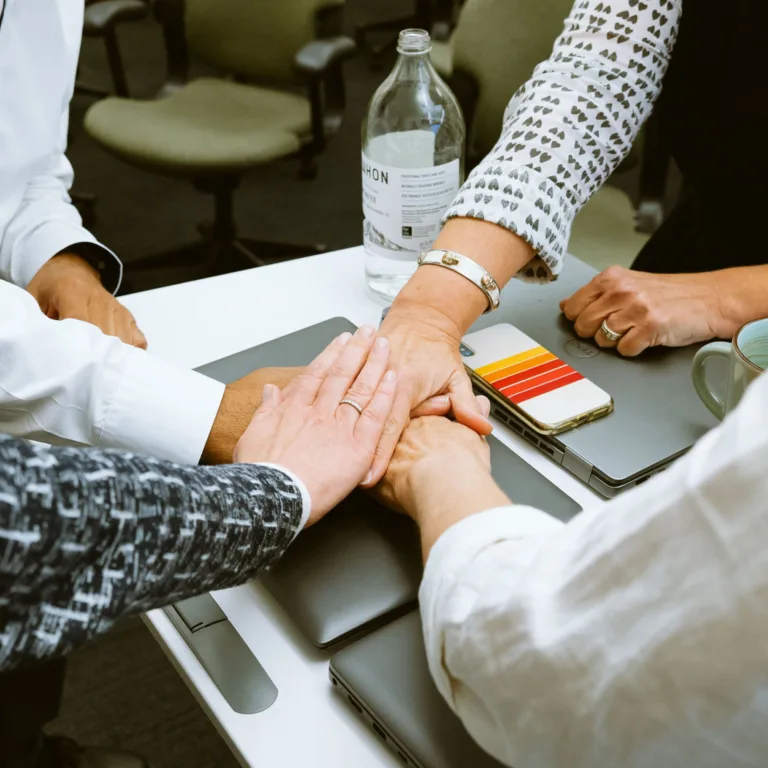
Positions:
{"x": 229, "y": 424}
{"x": 737, "y": 298}
{"x": 62, "y": 267}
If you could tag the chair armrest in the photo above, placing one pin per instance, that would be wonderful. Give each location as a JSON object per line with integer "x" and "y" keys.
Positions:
{"x": 316, "y": 58}
{"x": 102, "y": 17}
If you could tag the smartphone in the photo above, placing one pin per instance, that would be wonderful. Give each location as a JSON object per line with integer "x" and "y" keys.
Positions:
{"x": 537, "y": 387}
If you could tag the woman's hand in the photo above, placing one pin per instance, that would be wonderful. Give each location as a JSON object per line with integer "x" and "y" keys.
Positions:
{"x": 328, "y": 445}
{"x": 431, "y": 376}
{"x": 440, "y": 474}
{"x": 647, "y": 309}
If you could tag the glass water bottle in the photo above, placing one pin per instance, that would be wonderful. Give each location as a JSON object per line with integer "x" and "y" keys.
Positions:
{"x": 413, "y": 164}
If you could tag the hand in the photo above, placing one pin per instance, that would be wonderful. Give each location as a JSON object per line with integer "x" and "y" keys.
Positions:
{"x": 440, "y": 474}
{"x": 328, "y": 445}
{"x": 432, "y": 451}
{"x": 240, "y": 401}
{"x": 67, "y": 287}
{"x": 649, "y": 309}
{"x": 431, "y": 375}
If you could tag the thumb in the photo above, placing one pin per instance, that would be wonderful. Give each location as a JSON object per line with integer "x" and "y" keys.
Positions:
{"x": 467, "y": 410}
{"x": 439, "y": 405}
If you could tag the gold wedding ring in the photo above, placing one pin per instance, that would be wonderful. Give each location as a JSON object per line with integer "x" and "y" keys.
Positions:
{"x": 356, "y": 406}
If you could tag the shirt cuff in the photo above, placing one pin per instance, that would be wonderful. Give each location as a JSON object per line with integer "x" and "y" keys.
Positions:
{"x": 452, "y": 552}
{"x": 306, "y": 500}
{"x": 49, "y": 240}
{"x": 465, "y": 540}
{"x": 159, "y": 409}
{"x": 104, "y": 261}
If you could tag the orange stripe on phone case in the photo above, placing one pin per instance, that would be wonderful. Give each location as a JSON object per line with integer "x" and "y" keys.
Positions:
{"x": 501, "y": 365}
{"x": 546, "y": 357}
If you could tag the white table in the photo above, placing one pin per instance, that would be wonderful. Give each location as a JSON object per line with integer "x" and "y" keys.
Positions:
{"x": 195, "y": 323}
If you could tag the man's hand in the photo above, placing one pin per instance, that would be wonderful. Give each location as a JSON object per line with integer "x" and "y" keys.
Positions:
{"x": 648, "y": 309}
{"x": 67, "y": 287}
{"x": 241, "y": 400}
{"x": 430, "y": 373}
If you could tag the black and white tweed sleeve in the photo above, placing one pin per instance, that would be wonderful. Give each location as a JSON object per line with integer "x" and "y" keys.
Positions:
{"x": 89, "y": 536}
{"x": 571, "y": 124}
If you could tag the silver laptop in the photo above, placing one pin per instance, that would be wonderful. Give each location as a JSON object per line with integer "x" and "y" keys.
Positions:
{"x": 657, "y": 414}
{"x": 360, "y": 567}
{"x": 386, "y": 679}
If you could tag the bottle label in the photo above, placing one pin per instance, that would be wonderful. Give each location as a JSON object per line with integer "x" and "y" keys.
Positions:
{"x": 403, "y": 207}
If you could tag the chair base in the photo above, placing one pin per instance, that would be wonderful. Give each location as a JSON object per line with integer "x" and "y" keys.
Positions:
{"x": 208, "y": 258}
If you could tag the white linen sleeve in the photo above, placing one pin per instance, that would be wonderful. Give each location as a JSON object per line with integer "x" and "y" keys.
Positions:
{"x": 46, "y": 223}
{"x": 65, "y": 382}
{"x": 632, "y": 636}
{"x": 571, "y": 124}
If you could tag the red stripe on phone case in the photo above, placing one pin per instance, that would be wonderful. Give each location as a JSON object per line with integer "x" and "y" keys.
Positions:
{"x": 551, "y": 386}
{"x": 552, "y": 365}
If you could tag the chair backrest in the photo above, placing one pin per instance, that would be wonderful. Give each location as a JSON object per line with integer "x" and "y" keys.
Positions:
{"x": 498, "y": 43}
{"x": 254, "y": 38}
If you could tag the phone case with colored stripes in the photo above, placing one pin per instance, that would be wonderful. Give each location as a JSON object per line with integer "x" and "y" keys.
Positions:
{"x": 520, "y": 375}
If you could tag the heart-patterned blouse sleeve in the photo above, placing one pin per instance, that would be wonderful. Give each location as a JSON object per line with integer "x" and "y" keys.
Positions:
{"x": 571, "y": 124}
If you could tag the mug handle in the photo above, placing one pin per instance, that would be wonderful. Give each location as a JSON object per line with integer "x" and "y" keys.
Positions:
{"x": 711, "y": 399}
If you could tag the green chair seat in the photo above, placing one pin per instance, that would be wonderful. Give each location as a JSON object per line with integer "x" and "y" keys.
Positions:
{"x": 210, "y": 126}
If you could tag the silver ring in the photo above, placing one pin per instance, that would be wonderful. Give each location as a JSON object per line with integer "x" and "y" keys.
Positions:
{"x": 608, "y": 333}
{"x": 356, "y": 406}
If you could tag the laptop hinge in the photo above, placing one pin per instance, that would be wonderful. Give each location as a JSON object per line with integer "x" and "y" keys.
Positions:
{"x": 576, "y": 465}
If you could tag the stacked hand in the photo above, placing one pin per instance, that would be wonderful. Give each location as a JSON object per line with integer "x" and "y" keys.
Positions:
{"x": 305, "y": 428}
{"x": 431, "y": 376}
{"x": 67, "y": 287}
{"x": 645, "y": 310}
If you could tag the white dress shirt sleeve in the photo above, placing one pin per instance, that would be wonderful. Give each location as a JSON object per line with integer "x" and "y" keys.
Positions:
{"x": 634, "y": 635}
{"x": 569, "y": 126}
{"x": 65, "y": 382}
{"x": 45, "y": 221}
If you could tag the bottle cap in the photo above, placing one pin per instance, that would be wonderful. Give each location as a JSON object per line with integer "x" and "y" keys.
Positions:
{"x": 414, "y": 41}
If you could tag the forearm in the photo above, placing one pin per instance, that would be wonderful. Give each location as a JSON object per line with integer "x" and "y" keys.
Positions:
{"x": 741, "y": 296}
{"x": 87, "y": 537}
{"x": 438, "y": 291}
{"x": 459, "y": 494}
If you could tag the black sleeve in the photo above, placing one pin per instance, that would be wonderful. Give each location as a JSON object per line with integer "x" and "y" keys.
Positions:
{"x": 88, "y": 536}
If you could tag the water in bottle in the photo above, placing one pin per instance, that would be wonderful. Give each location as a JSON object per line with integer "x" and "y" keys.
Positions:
{"x": 413, "y": 164}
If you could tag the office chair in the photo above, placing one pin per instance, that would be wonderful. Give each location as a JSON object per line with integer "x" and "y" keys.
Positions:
{"x": 212, "y": 130}
{"x": 493, "y": 50}
{"x": 102, "y": 18}
{"x": 427, "y": 14}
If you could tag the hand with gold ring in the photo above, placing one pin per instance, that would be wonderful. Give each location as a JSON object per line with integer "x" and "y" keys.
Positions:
{"x": 325, "y": 426}
{"x": 633, "y": 311}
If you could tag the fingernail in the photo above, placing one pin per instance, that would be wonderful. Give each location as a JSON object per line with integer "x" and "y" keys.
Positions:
{"x": 389, "y": 376}
{"x": 266, "y": 394}
{"x": 344, "y": 338}
{"x": 382, "y": 343}
{"x": 366, "y": 331}
{"x": 368, "y": 478}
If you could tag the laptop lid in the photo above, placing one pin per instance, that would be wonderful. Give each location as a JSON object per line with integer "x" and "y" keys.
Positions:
{"x": 361, "y": 565}
{"x": 385, "y": 677}
{"x": 657, "y": 414}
